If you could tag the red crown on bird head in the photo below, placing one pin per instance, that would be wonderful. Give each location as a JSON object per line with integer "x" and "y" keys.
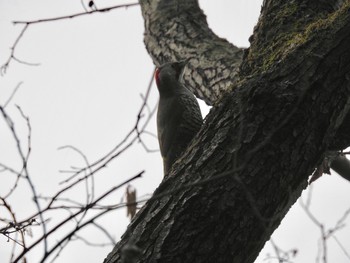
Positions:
{"x": 156, "y": 76}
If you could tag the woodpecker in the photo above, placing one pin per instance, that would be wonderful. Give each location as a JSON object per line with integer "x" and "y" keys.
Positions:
{"x": 179, "y": 117}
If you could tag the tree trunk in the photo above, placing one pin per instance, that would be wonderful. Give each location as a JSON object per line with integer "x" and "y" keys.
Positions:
{"x": 251, "y": 160}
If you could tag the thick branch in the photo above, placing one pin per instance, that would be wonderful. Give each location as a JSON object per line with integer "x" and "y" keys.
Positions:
{"x": 342, "y": 137}
{"x": 177, "y": 30}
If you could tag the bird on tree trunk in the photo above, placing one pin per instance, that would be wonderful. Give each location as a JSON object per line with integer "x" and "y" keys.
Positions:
{"x": 179, "y": 117}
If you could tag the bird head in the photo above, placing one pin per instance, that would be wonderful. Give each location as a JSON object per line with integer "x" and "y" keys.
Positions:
{"x": 168, "y": 75}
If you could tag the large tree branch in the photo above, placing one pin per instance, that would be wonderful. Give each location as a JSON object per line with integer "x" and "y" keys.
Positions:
{"x": 249, "y": 163}
{"x": 342, "y": 137}
{"x": 178, "y": 30}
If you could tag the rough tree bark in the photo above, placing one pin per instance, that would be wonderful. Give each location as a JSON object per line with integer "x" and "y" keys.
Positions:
{"x": 251, "y": 160}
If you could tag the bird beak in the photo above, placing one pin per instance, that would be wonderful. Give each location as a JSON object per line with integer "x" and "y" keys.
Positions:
{"x": 183, "y": 63}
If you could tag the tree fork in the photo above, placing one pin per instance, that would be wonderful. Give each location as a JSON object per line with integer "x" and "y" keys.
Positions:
{"x": 251, "y": 160}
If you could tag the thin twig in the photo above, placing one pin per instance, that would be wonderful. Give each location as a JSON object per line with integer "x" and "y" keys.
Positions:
{"x": 62, "y": 223}
{"x": 88, "y": 195}
{"x": 4, "y": 67}
{"x": 112, "y": 154}
{"x": 12, "y": 95}
{"x": 102, "y": 10}
{"x": 26, "y": 24}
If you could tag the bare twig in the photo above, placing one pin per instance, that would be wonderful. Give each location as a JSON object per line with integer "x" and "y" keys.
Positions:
{"x": 102, "y": 10}
{"x": 342, "y": 247}
{"x": 281, "y": 255}
{"x": 89, "y": 197}
{"x": 76, "y": 211}
{"x": 325, "y": 234}
{"x": 12, "y": 95}
{"x": 4, "y": 67}
{"x": 112, "y": 154}
{"x": 89, "y": 243}
{"x": 24, "y": 158}
{"x": 74, "y": 215}
{"x": 103, "y": 230}
{"x": 11, "y": 170}
{"x": 26, "y": 24}
{"x": 12, "y": 224}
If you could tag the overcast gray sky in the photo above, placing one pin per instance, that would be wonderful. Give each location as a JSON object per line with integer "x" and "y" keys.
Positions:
{"x": 86, "y": 93}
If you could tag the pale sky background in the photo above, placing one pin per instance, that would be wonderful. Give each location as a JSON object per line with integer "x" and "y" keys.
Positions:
{"x": 86, "y": 93}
